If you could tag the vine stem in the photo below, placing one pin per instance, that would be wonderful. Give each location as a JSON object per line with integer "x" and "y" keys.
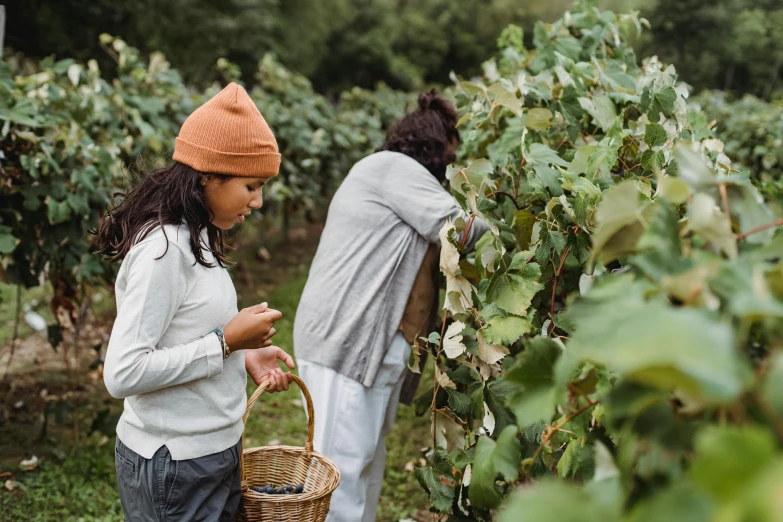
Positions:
{"x": 693, "y": 294}
{"x": 538, "y": 451}
{"x": 435, "y": 385}
{"x": 513, "y": 199}
{"x": 640, "y": 170}
{"x": 568, "y": 419}
{"x": 724, "y": 196}
{"x": 466, "y": 233}
{"x": 579, "y": 392}
{"x": 554, "y": 429}
{"x": 633, "y": 141}
{"x": 15, "y": 335}
{"x": 554, "y": 286}
{"x": 776, "y": 223}
{"x": 502, "y": 192}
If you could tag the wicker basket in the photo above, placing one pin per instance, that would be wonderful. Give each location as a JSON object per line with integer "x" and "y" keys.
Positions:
{"x": 282, "y": 465}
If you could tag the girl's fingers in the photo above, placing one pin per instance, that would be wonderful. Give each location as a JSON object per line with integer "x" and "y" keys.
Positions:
{"x": 279, "y": 380}
{"x": 271, "y": 315}
{"x": 257, "y": 309}
{"x": 266, "y": 344}
{"x": 282, "y": 380}
{"x": 286, "y": 358}
{"x": 271, "y": 333}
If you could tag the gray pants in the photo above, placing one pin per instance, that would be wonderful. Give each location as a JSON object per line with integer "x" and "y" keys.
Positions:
{"x": 161, "y": 489}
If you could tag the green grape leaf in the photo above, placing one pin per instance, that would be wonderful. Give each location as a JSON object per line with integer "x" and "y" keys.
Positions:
{"x": 496, "y": 397}
{"x": 653, "y": 160}
{"x": 728, "y": 458}
{"x": 602, "y": 109}
{"x": 659, "y": 102}
{"x": 694, "y": 353}
{"x": 506, "y": 330}
{"x": 560, "y": 501}
{"x": 601, "y": 162}
{"x": 7, "y": 241}
{"x": 538, "y": 119}
{"x": 513, "y": 289}
{"x": 655, "y": 135}
{"x": 493, "y": 459}
{"x": 540, "y": 154}
{"x": 619, "y": 226}
{"x": 441, "y": 495}
{"x": 523, "y": 227}
{"x": 458, "y": 402}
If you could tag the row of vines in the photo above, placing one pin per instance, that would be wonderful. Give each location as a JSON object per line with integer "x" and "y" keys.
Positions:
{"x": 613, "y": 349}
{"x": 72, "y": 136}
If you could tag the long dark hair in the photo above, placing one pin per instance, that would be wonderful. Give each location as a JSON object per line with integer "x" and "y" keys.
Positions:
{"x": 426, "y": 133}
{"x": 168, "y": 196}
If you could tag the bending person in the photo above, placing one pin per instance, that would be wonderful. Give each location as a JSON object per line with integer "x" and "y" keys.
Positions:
{"x": 370, "y": 291}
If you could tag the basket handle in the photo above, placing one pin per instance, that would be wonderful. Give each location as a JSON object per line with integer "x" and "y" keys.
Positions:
{"x": 310, "y": 418}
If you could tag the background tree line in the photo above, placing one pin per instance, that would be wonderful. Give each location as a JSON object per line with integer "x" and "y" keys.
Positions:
{"x": 715, "y": 44}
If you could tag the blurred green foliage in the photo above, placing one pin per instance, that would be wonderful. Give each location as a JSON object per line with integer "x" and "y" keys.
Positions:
{"x": 336, "y": 43}
{"x": 733, "y": 45}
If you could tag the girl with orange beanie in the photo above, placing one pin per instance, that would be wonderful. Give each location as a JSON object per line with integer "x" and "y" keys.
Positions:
{"x": 180, "y": 350}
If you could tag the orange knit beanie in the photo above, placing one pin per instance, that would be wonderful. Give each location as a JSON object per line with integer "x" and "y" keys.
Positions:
{"x": 228, "y": 135}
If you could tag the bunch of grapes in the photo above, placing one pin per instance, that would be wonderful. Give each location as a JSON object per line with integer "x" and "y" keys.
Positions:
{"x": 269, "y": 489}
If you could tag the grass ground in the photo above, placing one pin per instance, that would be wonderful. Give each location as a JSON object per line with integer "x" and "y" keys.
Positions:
{"x": 75, "y": 481}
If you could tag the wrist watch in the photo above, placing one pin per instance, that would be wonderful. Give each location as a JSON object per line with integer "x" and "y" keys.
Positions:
{"x": 219, "y": 332}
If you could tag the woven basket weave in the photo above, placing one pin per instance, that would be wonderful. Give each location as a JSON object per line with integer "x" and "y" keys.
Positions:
{"x": 283, "y": 465}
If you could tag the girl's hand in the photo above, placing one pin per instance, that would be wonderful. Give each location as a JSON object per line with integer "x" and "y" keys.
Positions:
{"x": 251, "y": 328}
{"x": 261, "y": 364}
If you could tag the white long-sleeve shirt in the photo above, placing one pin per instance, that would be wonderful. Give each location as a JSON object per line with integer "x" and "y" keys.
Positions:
{"x": 178, "y": 389}
{"x": 381, "y": 221}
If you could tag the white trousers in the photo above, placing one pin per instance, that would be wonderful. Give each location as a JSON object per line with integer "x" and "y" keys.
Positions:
{"x": 351, "y": 422}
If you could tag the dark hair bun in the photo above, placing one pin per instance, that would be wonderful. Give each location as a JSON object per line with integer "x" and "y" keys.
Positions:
{"x": 426, "y": 99}
{"x": 434, "y": 101}
{"x": 426, "y": 134}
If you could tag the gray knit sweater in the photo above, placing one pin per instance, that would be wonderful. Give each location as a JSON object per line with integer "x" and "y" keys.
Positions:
{"x": 380, "y": 222}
